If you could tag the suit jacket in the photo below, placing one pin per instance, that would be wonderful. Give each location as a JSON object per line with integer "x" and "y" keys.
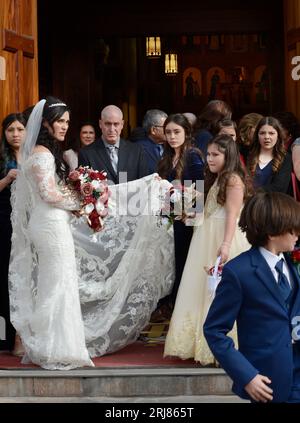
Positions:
{"x": 193, "y": 168}
{"x": 248, "y": 293}
{"x": 152, "y": 153}
{"x": 131, "y": 159}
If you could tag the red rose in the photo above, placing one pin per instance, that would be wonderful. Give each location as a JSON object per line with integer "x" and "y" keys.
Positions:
{"x": 93, "y": 215}
{"x": 295, "y": 255}
{"x": 94, "y": 175}
{"x": 102, "y": 175}
{"x": 89, "y": 199}
{"x": 94, "y": 221}
{"x": 77, "y": 185}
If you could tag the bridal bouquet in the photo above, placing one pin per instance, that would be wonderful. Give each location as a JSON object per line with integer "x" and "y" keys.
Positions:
{"x": 176, "y": 204}
{"x": 93, "y": 190}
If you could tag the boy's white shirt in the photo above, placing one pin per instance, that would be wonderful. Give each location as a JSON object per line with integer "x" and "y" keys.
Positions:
{"x": 272, "y": 260}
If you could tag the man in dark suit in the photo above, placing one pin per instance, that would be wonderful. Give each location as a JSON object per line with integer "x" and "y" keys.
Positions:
{"x": 122, "y": 160}
{"x": 260, "y": 290}
{"x": 154, "y": 139}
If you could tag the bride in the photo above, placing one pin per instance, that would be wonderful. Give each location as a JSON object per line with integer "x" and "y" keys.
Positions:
{"x": 120, "y": 277}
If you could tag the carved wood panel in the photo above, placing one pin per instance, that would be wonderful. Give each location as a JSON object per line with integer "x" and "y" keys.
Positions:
{"x": 18, "y": 53}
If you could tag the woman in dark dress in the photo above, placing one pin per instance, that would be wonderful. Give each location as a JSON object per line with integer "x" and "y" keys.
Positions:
{"x": 180, "y": 162}
{"x": 269, "y": 163}
{"x": 13, "y": 132}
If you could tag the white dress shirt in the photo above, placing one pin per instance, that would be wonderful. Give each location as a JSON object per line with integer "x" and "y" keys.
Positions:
{"x": 272, "y": 260}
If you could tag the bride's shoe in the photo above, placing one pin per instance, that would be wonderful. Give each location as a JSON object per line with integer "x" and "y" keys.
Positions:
{"x": 18, "y": 350}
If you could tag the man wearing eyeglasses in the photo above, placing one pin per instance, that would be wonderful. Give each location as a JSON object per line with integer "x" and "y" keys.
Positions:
{"x": 153, "y": 142}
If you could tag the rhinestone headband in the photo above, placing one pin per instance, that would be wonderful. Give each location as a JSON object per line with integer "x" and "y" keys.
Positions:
{"x": 56, "y": 104}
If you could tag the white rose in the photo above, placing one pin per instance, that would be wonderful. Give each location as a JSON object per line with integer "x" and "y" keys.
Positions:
{"x": 89, "y": 208}
{"x": 176, "y": 196}
{"x": 99, "y": 206}
{"x": 164, "y": 184}
{"x": 165, "y": 221}
{"x": 96, "y": 185}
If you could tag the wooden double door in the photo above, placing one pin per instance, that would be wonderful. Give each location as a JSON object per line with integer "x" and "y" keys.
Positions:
{"x": 18, "y": 55}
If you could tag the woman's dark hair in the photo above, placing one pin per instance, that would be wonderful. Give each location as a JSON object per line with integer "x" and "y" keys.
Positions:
{"x": 245, "y": 126}
{"x": 289, "y": 122}
{"x": 223, "y": 123}
{"x": 214, "y": 111}
{"x": 278, "y": 149}
{"x": 27, "y": 112}
{"x": 53, "y": 110}
{"x": 269, "y": 214}
{"x": 232, "y": 166}
{"x": 75, "y": 143}
{"x": 165, "y": 166}
{"x": 6, "y": 152}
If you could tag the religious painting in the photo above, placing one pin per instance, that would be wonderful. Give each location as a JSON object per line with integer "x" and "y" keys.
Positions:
{"x": 192, "y": 83}
{"x": 215, "y": 77}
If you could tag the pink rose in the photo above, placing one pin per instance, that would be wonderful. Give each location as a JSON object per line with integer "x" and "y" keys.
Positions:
{"x": 87, "y": 189}
{"x": 74, "y": 175}
{"x": 81, "y": 170}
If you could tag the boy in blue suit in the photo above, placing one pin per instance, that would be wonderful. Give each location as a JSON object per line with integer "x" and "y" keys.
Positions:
{"x": 260, "y": 290}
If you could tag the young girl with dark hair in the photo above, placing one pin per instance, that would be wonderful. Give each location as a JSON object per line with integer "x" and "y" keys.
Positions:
{"x": 218, "y": 236}
{"x": 13, "y": 132}
{"x": 183, "y": 164}
{"x": 269, "y": 163}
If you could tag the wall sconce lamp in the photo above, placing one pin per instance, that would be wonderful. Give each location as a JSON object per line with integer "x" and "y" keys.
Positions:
{"x": 153, "y": 47}
{"x": 171, "y": 64}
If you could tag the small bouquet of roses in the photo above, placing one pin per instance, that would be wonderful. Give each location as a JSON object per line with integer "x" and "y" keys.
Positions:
{"x": 176, "y": 204}
{"x": 295, "y": 257}
{"x": 93, "y": 190}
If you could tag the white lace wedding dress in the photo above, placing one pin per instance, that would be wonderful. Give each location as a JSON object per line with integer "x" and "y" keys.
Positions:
{"x": 121, "y": 275}
{"x": 43, "y": 279}
{"x": 127, "y": 270}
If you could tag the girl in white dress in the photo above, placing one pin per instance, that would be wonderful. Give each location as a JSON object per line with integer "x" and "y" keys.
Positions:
{"x": 44, "y": 292}
{"x": 219, "y": 235}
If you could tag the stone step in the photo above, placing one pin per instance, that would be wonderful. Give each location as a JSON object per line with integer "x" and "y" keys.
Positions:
{"x": 86, "y": 400}
{"x": 115, "y": 382}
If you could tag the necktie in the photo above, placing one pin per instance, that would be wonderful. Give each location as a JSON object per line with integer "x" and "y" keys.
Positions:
{"x": 160, "y": 149}
{"x": 283, "y": 282}
{"x": 113, "y": 154}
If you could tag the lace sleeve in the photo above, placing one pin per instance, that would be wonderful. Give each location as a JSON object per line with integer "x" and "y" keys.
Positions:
{"x": 43, "y": 172}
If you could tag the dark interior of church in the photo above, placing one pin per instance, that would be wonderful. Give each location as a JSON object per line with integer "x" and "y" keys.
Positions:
{"x": 94, "y": 53}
